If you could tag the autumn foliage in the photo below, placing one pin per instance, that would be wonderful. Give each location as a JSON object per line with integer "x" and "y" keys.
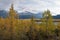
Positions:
{"x": 13, "y": 28}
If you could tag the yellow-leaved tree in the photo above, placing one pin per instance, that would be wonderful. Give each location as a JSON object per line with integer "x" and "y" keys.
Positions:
{"x": 47, "y": 21}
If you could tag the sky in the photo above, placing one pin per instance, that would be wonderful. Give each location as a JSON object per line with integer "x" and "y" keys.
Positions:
{"x": 32, "y": 5}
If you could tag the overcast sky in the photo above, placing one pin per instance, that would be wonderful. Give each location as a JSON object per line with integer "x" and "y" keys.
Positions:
{"x": 32, "y": 5}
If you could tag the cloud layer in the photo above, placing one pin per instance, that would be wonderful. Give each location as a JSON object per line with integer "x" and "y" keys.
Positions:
{"x": 32, "y": 5}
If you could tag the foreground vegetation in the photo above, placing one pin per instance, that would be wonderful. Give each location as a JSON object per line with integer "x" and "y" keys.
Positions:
{"x": 13, "y": 28}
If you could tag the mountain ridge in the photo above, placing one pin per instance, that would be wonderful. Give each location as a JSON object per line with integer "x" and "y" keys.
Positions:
{"x": 26, "y": 15}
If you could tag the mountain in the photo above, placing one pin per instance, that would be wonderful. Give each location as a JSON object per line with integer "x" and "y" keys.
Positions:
{"x": 25, "y": 15}
{"x": 28, "y": 15}
{"x": 56, "y": 17}
{"x": 3, "y": 13}
{"x": 22, "y": 15}
{"x": 38, "y": 15}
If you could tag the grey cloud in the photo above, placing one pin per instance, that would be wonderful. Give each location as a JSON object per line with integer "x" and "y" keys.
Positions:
{"x": 4, "y": 4}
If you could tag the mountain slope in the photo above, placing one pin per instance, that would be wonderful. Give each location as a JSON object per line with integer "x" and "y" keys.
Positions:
{"x": 3, "y": 13}
{"x": 26, "y": 15}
